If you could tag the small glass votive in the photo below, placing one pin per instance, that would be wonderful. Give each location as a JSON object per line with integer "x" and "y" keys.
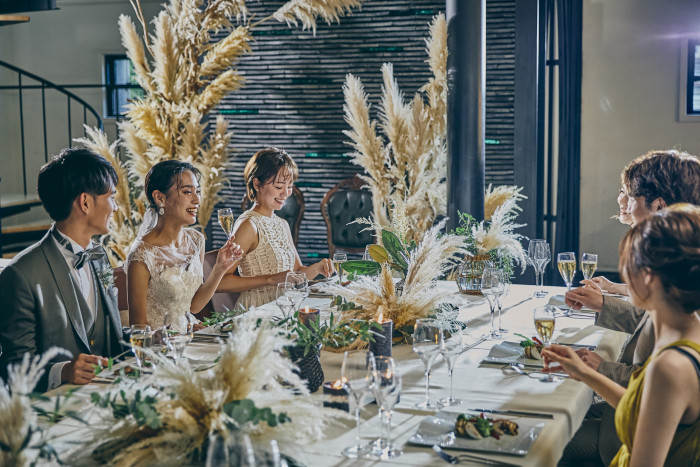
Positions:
{"x": 336, "y": 397}
{"x": 382, "y": 342}
{"x": 307, "y": 315}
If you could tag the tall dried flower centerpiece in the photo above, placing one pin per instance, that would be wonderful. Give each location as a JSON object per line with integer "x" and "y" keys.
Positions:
{"x": 252, "y": 389}
{"x": 184, "y": 75}
{"x": 405, "y": 168}
{"x": 431, "y": 258}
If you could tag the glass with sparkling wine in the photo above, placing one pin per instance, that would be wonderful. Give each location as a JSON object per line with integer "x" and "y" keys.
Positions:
{"x": 140, "y": 339}
{"x": 544, "y": 324}
{"x": 226, "y": 221}
{"x": 589, "y": 263}
{"x": 338, "y": 260}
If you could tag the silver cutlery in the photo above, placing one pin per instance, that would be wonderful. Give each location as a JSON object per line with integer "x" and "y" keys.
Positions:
{"x": 518, "y": 368}
{"x": 521, "y": 413}
{"x": 468, "y": 458}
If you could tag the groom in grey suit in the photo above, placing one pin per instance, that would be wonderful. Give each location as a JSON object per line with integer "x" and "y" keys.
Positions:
{"x": 59, "y": 292}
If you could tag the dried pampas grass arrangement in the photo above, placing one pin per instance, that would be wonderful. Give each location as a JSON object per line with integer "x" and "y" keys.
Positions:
{"x": 184, "y": 75}
{"x": 406, "y": 168}
{"x": 190, "y": 404}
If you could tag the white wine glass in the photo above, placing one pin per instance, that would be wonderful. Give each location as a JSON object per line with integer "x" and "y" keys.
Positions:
{"x": 284, "y": 300}
{"x": 491, "y": 287}
{"x": 505, "y": 281}
{"x": 540, "y": 255}
{"x": 366, "y": 256}
{"x": 338, "y": 260}
{"x": 589, "y": 263}
{"x": 545, "y": 320}
{"x": 426, "y": 343}
{"x": 357, "y": 375}
{"x": 226, "y": 221}
{"x": 140, "y": 339}
{"x": 387, "y": 389}
{"x": 566, "y": 262}
{"x": 300, "y": 287}
{"x": 451, "y": 346}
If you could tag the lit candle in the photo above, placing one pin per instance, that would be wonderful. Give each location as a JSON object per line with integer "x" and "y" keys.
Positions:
{"x": 336, "y": 396}
{"x": 307, "y": 315}
{"x": 382, "y": 342}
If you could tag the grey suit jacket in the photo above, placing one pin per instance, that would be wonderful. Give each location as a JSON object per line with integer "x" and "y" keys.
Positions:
{"x": 39, "y": 307}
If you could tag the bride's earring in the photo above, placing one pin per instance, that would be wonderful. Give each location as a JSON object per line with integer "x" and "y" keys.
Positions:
{"x": 161, "y": 211}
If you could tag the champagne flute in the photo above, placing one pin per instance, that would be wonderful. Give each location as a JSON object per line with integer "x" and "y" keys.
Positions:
{"x": 387, "y": 389}
{"x": 451, "y": 346}
{"x": 426, "y": 343}
{"x": 140, "y": 339}
{"x": 300, "y": 287}
{"x": 589, "y": 263}
{"x": 357, "y": 375}
{"x": 284, "y": 300}
{"x": 226, "y": 221}
{"x": 544, "y": 323}
{"x": 491, "y": 287}
{"x": 505, "y": 280}
{"x": 338, "y": 260}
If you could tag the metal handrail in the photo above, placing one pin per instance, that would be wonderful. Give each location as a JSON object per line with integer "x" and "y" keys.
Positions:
{"x": 46, "y": 84}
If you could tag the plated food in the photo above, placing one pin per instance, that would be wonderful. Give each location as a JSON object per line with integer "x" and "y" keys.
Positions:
{"x": 480, "y": 426}
{"x": 532, "y": 348}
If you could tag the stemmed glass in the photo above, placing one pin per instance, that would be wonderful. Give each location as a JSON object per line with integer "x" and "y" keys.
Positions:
{"x": 491, "y": 287}
{"x": 338, "y": 260}
{"x": 505, "y": 280}
{"x": 300, "y": 287}
{"x": 589, "y": 263}
{"x": 544, "y": 323}
{"x": 284, "y": 300}
{"x": 387, "y": 388}
{"x": 226, "y": 221}
{"x": 426, "y": 343}
{"x": 357, "y": 375}
{"x": 567, "y": 267}
{"x": 178, "y": 333}
{"x": 366, "y": 255}
{"x": 539, "y": 255}
{"x": 451, "y": 346}
{"x": 140, "y": 339}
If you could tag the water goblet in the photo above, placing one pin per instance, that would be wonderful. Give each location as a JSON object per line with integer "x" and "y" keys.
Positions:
{"x": 451, "y": 346}
{"x": 179, "y": 333}
{"x": 284, "y": 300}
{"x": 338, "y": 260}
{"x": 491, "y": 287}
{"x": 300, "y": 287}
{"x": 539, "y": 255}
{"x": 505, "y": 280}
{"x": 357, "y": 375}
{"x": 387, "y": 389}
{"x": 140, "y": 339}
{"x": 426, "y": 343}
{"x": 544, "y": 323}
{"x": 226, "y": 221}
{"x": 589, "y": 263}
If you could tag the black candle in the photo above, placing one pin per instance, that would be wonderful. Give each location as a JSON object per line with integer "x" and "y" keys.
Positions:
{"x": 382, "y": 342}
{"x": 336, "y": 397}
{"x": 307, "y": 315}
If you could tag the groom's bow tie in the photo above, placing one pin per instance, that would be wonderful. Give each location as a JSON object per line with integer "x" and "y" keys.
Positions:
{"x": 89, "y": 254}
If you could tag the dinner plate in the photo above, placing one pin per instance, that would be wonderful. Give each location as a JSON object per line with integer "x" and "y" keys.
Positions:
{"x": 439, "y": 429}
{"x": 510, "y": 352}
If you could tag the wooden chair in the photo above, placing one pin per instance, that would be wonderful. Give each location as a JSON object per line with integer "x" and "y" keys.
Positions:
{"x": 122, "y": 300}
{"x": 292, "y": 211}
{"x": 344, "y": 203}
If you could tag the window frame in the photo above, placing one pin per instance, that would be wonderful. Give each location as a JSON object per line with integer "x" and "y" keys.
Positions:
{"x": 687, "y": 80}
{"x": 111, "y": 104}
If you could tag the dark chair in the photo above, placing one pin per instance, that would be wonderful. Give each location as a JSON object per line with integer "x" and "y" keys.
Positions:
{"x": 220, "y": 301}
{"x": 344, "y": 203}
{"x": 292, "y": 211}
{"x": 120, "y": 284}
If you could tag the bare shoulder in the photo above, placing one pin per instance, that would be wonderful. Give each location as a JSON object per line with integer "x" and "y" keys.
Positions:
{"x": 672, "y": 367}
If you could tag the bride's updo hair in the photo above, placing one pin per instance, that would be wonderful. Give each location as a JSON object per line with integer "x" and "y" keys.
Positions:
{"x": 164, "y": 175}
{"x": 264, "y": 165}
{"x": 667, "y": 244}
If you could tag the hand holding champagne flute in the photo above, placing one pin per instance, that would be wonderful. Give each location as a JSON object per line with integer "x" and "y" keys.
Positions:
{"x": 226, "y": 221}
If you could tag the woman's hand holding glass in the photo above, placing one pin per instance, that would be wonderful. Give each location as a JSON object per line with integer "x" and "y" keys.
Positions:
{"x": 357, "y": 375}
{"x": 569, "y": 361}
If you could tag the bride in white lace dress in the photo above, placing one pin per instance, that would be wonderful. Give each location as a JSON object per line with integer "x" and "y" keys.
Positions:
{"x": 164, "y": 265}
{"x": 264, "y": 237}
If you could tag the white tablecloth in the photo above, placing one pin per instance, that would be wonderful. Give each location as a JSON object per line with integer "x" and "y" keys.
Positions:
{"x": 478, "y": 385}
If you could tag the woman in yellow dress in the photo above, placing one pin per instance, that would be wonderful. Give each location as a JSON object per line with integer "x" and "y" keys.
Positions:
{"x": 658, "y": 416}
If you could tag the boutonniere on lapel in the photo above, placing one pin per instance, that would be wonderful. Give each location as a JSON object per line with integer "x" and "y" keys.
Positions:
{"x": 106, "y": 278}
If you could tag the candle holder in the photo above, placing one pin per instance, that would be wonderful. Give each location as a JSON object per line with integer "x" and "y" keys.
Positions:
{"x": 307, "y": 315}
{"x": 337, "y": 396}
{"x": 382, "y": 342}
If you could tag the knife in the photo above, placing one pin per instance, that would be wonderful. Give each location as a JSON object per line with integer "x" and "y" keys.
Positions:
{"x": 515, "y": 412}
{"x": 468, "y": 457}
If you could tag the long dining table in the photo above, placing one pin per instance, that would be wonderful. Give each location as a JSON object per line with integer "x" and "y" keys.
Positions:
{"x": 478, "y": 384}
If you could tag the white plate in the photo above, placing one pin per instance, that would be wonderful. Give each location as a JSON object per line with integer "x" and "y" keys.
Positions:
{"x": 439, "y": 429}
{"x": 510, "y": 352}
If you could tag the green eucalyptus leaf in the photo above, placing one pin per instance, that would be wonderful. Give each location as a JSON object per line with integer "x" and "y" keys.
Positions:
{"x": 395, "y": 248}
{"x": 361, "y": 267}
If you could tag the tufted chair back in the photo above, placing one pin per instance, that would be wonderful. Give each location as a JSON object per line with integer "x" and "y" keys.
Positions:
{"x": 344, "y": 203}
{"x": 292, "y": 211}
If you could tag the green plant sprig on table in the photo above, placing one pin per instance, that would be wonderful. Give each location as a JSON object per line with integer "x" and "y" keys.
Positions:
{"x": 395, "y": 253}
{"x": 219, "y": 317}
{"x": 330, "y": 334}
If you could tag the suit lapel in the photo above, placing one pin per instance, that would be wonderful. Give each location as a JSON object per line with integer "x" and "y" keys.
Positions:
{"x": 61, "y": 274}
{"x": 97, "y": 268}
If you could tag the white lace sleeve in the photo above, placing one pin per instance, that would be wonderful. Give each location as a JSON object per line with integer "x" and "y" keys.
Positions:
{"x": 141, "y": 254}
